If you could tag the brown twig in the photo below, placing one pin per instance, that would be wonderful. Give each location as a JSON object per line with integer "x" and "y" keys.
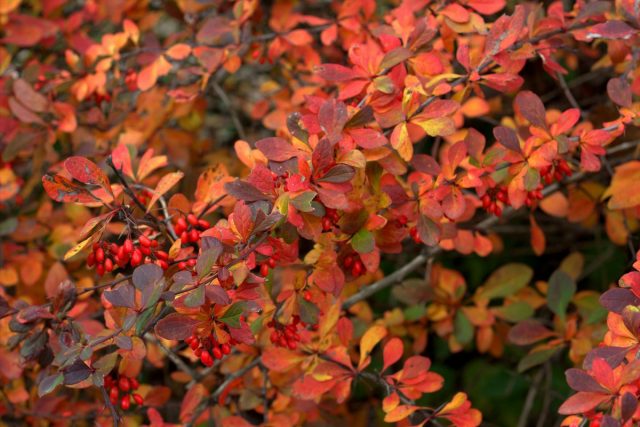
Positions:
{"x": 112, "y": 409}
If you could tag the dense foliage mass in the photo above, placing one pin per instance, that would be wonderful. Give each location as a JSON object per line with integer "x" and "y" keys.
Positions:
{"x": 319, "y": 213}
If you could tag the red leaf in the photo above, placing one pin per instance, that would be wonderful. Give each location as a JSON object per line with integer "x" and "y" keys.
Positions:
{"x": 528, "y": 332}
{"x": 507, "y": 138}
{"x": 276, "y": 149}
{"x": 335, "y": 72}
{"x": 529, "y": 106}
{"x": 392, "y": 352}
{"x": 87, "y": 172}
{"x": 619, "y": 91}
{"x": 176, "y": 327}
{"x": 582, "y": 402}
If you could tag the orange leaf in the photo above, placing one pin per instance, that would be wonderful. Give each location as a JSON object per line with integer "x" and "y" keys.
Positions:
{"x": 164, "y": 185}
{"x": 369, "y": 340}
{"x": 179, "y": 51}
{"x": 392, "y": 352}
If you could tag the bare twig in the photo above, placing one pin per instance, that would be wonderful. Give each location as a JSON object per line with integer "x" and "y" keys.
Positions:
{"x": 567, "y": 92}
{"x": 265, "y": 390}
{"x": 227, "y": 102}
{"x": 112, "y": 409}
{"x": 172, "y": 356}
{"x": 165, "y": 212}
{"x": 530, "y": 399}
{"x": 218, "y": 391}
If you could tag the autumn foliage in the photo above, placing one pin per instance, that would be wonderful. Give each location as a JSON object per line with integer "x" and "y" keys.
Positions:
{"x": 359, "y": 212}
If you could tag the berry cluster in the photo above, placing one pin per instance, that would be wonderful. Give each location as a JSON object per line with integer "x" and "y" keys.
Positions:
{"x": 107, "y": 256}
{"x": 330, "y": 218}
{"x": 558, "y": 170}
{"x": 209, "y": 348}
{"x": 269, "y": 263}
{"x": 126, "y": 386}
{"x": 286, "y": 335}
{"x": 491, "y": 198}
{"x": 415, "y": 235}
{"x": 189, "y": 229}
{"x": 354, "y": 263}
{"x": 188, "y": 265}
{"x": 280, "y": 181}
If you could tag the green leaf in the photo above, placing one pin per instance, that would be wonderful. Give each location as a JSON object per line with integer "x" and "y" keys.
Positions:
{"x": 8, "y": 226}
{"x": 363, "y": 241}
{"x": 302, "y": 202}
{"x": 415, "y": 312}
{"x": 561, "y": 289}
{"x": 206, "y": 260}
{"x": 308, "y": 311}
{"x": 195, "y": 298}
{"x": 536, "y": 358}
{"x": 505, "y": 281}
{"x": 49, "y": 383}
{"x": 232, "y": 316}
{"x": 106, "y": 363}
{"x": 462, "y": 329}
{"x": 515, "y": 312}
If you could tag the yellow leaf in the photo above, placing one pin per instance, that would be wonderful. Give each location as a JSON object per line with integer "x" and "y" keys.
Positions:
{"x": 400, "y": 413}
{"x": 625, "y": 186}
{"x": 80, "y": 246}
{"x": 8, "y": 276}
{"x": 401, "y": 142}
{"x": 165, "y": 184}
{"x": 369, "y": 340}
{"x": 440, "y": 126}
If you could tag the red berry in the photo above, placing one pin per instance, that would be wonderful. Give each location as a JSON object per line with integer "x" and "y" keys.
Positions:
{"x": 264, "y": 270}
{"x": 206, "y": 359}
{"x": 108, "y": 265}
{"x": 326, "y": 224}
{"x": 182, "y": 265}
{"x": 216, "y": 353}
{"x": 128, "y": 246}
{"x": 357, "y": 269}
{"x": 91, "y": 259}
{"x": 162, "y": 255}
{"x": 145, "y": 250}
{"x": 307, "y": 296}
{"x": 134, "y": 383}
{"x": 125, "y": 403}
{"x": 292, "y": 345}
{"x": 271, "y": 262}
{"x": 123, "y": 384}
{"x": 182, "y": 223}
{"x": 191, "y": 262}
{"x": 100, "y": 269}
{"x": 226, "y": 348}
{"x": 193, "y": 220}
{"x": 144, "y": 241}
{"x": 203, "y": 223}
{"x": 348, "y": 261}
{"x": 194, "y": 236}
{"x": 114, "y": 393}
{"x": 138, "y": 399}
{"x": 136, "y": 258}
{"x": 99, "y": 255}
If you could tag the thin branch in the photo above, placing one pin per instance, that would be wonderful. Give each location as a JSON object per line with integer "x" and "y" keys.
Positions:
{"x": 220, "y": 389}
{"x": 567, "y": 92}
{"x": 389, "y": 280}
{"x": 265, "y": 390}
{"x": 227, "y": 102}
{"x": 172, "y": 356}
{"x": 112, "y": 409}
{"x": 530, "y": 399}
{"x": 165, "y": 212}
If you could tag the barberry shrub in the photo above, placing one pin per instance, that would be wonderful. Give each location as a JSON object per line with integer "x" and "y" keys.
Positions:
{"x": 319, "y": 213}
